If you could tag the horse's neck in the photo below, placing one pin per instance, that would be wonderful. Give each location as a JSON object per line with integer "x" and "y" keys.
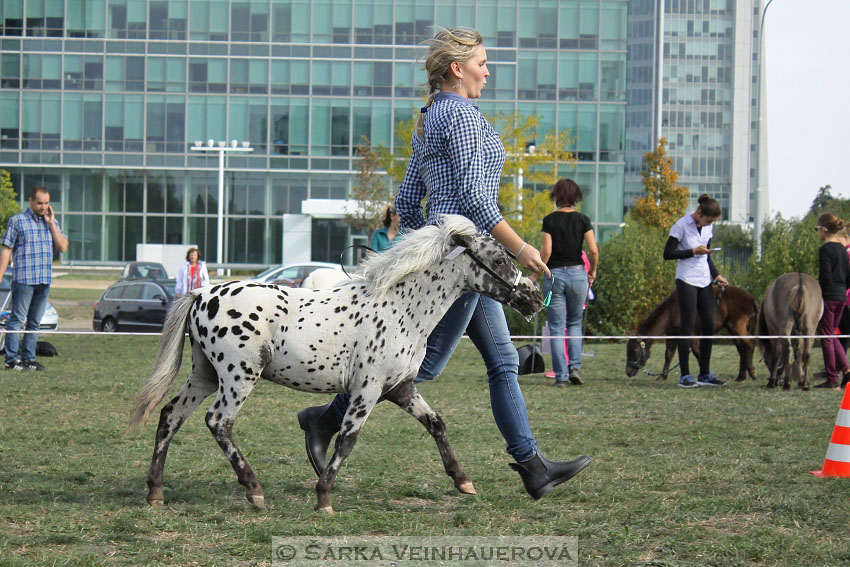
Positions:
{"x": 655, "y": 323}
{"x": 428, "y": 294}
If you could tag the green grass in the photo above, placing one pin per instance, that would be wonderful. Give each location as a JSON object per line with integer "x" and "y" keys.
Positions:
{"x": 712, "y": 476}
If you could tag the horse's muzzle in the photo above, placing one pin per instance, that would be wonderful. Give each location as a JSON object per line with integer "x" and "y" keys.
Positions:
{"x": 527, "y": 299}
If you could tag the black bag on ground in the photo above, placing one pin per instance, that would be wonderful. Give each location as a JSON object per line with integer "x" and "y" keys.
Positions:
{"x": 530, "y": 356}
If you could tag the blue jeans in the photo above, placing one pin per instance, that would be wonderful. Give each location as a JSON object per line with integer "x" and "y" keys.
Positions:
{"x": 569, "y": 293}
{"x": 28, "y": 304}
{"x": 484, "y": 321}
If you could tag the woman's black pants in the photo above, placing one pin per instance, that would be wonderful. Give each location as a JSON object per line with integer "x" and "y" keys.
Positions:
{"x": 695, "y": 301}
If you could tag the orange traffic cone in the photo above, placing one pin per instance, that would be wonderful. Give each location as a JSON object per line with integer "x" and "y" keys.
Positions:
{"x": 837, "y": 462}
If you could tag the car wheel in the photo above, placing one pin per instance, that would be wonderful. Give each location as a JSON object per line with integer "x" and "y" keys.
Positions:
{"x": 109, "y": 325}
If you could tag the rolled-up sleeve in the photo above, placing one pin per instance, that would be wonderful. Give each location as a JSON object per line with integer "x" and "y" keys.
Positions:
{"x": 464, "y": 144}
{"x": 411, "y": 192}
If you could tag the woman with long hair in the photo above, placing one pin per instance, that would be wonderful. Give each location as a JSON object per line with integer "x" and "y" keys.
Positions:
{"x": 456, "y": 166}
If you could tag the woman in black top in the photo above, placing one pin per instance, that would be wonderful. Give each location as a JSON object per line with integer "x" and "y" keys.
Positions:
{"x": 834, "y": 278}
{"x": 564, "y": 232}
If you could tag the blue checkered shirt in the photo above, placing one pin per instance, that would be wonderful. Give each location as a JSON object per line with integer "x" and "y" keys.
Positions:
{"x": 458, "y": 167}
{"x": 32, "y": 248}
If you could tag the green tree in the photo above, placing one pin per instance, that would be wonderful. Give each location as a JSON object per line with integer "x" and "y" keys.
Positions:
{"x": 665, "y": 200}
{"x": 524, "y": 207}
{"x": 633, "y": 278}
{"x": 370, "y": 190}
{"x": 395, "y": 161}
{"x": 8, "y": 199}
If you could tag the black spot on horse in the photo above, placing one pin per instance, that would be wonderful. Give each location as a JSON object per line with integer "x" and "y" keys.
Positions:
{"x": 236, "y": 292}
{"x": 234, "y": 314}
{"x": 212, "y": 308}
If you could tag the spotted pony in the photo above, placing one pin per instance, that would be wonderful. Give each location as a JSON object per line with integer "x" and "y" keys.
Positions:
{"x": 366, "y": 337}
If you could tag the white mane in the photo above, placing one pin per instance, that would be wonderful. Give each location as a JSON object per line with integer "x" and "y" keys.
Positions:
{"x": 417, "y": 251}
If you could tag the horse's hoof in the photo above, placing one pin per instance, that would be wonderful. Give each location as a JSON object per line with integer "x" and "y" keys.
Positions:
{"x": 258, "y": 500}
{"x": 467, "y": 488}
{"x": 155, "y": 503}
{"x": 326, "y": 510}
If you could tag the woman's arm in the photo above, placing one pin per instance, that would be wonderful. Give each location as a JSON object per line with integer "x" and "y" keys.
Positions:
{"x": 592, "y": 255}
{"x": 526, "y": 255}
{"x": 411, "y": 192}
{"x": 671, "y": 252}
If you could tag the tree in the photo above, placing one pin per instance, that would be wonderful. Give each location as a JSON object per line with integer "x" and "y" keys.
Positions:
{"x": 665, "y": 200}
{"x": 524, "y": 207}
{"x": 395, "y": 162}
{"x": 822, "y": 200}
{"x": 8, "y": 199}
{"x": 369, "y": 190}
{"x": 635, "y": 277}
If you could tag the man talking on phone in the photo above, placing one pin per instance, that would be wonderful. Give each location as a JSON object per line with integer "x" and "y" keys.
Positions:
{"x": 29, "y": 242}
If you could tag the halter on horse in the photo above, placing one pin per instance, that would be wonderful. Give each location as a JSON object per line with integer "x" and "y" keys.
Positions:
{"x": 366, "y": 338}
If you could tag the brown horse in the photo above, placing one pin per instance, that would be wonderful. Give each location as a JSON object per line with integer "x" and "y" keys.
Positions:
{"x": 736, "y": 309}
{"x": 792, "y": 305}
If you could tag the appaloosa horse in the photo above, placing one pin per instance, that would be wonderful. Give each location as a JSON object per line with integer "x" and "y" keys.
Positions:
{"x": 366, "y": 338}
{"x": 792, "y": 305}
{"x": 736, "y": 309}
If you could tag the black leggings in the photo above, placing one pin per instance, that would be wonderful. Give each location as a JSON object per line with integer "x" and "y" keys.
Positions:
{"x": 692, "y": 301}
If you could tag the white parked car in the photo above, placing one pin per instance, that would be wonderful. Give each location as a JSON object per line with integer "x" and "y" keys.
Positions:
{"x": 293, "y": 272}
{"x": 50, "y": 319}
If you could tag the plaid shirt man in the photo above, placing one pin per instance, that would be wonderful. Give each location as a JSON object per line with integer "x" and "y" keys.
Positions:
{"x": 32, "y": 248}
{"x": 458, "y": 167}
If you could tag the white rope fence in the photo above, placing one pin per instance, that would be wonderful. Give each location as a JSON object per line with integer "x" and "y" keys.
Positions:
{"x": 513, "y": 337}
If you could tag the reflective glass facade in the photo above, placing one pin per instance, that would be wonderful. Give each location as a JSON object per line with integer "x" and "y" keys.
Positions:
{"x": 100, "y": 101}
{"x": 707, "y": 66}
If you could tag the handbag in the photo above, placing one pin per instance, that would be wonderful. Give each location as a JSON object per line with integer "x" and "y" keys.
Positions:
{"x": 530, "y": 357}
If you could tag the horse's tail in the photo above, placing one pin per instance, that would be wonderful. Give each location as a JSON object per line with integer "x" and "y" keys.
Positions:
{"x": 168, "y": 361}
{"x": 798, "y": 306}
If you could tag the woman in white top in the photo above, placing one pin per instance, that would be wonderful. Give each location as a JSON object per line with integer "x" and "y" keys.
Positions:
{"x": 688, "y": 243}
{"x": 193, "y": 274}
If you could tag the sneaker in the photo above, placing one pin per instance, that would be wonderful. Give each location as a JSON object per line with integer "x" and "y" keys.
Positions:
{"x": 827, "y": 384}
{"x": 560, "y": 383}
{"x": 575, "y": 377}
{"x": 687, "y": 381}
{"x": 549, "y": 374}
{"x": 709, "y": 380}
{"x": 15, "y": 365}
{"x": 33, "y": 365}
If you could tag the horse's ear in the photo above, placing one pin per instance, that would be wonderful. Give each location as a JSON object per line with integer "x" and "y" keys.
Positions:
{"x": 464, "y": 240}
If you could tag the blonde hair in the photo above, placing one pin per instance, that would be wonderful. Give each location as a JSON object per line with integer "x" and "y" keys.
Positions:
{"x": 448, "y": 46}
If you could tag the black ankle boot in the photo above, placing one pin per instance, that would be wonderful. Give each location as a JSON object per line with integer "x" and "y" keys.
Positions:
{"x": 320, "y": 425}
{"x": 540, "y": 475}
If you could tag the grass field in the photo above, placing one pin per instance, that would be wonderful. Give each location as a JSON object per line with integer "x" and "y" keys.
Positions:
{"x": 712, "y": 476}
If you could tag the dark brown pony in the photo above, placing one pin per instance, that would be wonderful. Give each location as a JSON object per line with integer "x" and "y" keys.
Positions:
{"x": 792, "y": 306}
{"x": 736, "y": 311}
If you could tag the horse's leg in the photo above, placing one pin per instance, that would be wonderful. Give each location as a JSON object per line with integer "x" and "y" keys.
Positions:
{"x": 786, "y": 364}
{"x": 358, "y": 411}
{"x": 408, "y": 398}
{"x": 806, "y": 355}
{"x": 742, "y": 358}
{"x": 201, "y": 383}
{"x": 233, "y": 390}
{"x": 669, "y": 351}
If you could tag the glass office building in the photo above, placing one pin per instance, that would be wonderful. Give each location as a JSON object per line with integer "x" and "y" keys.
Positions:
{"x": 692, "y": 77}
{"x": 102, "y": 100}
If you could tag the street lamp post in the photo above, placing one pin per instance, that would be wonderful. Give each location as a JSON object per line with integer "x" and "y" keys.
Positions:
{"x": 757, "y": 217}
{"x": 519, "y": 181}
{"x": 221, "y": 147}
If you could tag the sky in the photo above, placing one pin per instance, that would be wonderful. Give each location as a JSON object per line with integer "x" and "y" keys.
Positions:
{"x": 807, "y": 80}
